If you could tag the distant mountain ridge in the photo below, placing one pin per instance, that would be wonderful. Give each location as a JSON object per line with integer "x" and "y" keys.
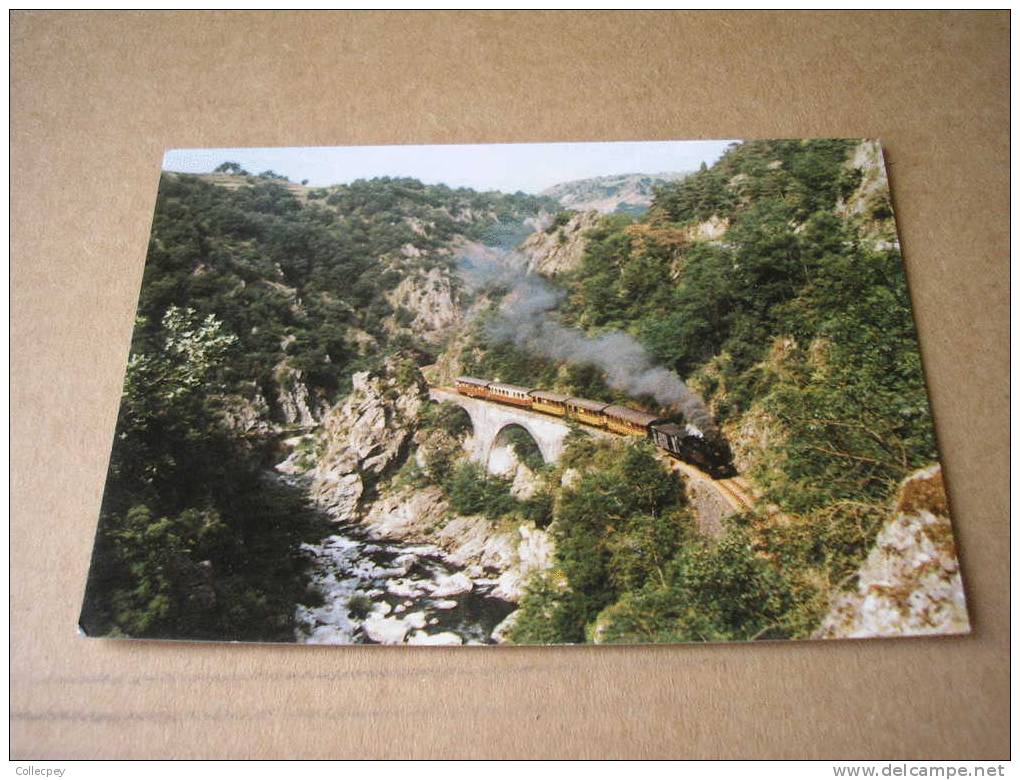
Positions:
{"x": 628, "y": 192}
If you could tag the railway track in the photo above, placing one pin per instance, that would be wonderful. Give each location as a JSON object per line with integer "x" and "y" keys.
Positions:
{"x": 735, "y": 491}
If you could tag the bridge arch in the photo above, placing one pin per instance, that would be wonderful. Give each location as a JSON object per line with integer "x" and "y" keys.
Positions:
{"x": 503, "y": 450}
{"x": 453, "y": 417}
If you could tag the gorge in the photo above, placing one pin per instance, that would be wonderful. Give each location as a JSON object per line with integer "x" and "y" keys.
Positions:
{"x": 289, "y": 467}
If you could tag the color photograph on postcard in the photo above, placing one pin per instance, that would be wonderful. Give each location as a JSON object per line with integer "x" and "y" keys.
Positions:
{"x": 609, "y": 393}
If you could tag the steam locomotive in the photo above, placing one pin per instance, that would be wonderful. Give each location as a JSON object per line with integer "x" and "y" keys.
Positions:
{"x": 706, "y": 450}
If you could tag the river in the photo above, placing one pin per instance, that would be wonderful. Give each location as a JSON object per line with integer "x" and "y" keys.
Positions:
{"x": 389, "y": 592}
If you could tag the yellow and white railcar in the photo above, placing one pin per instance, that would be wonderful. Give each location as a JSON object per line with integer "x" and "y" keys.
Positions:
{"x": 629, "y": 422}
{"x": 510, "y": 394}
{"x": 587, "y": 411}
{"x": 549, "y": 402}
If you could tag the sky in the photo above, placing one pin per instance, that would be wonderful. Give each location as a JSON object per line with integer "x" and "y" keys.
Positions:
{"x": 504, "y": 167}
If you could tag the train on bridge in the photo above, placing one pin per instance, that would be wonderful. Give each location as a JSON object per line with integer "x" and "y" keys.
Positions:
{"x": 709, "y": 452}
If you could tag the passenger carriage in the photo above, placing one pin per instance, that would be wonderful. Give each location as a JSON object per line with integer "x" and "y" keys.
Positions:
{"x": 469, "y": 385}
{"x": 587, "y": 411}
{"x": 630, "y": 422}
{"x": 549, "y": 402}
{"x": 510, "y": 394}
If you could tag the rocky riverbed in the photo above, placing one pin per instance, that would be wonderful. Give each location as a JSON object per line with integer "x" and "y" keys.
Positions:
{"x": 388, "y": 592}
{"x": 401, "y": 566}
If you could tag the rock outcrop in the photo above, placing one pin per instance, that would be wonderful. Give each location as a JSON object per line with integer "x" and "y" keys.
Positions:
{"x": 297, "y": 405}
{"x": 501, "y": 633}
{"x": 560, "y": 250}
{"x": 712, "y": 229}
{"x": 359, "y": 440}
{"x": 910, "y": 583}
{"x": 430, "y": 299}
{"x": 869, "y": 204}
{"x": 248, "y": 414}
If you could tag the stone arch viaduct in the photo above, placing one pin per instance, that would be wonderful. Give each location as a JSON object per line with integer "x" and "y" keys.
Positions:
{"x": 490, "y": 421}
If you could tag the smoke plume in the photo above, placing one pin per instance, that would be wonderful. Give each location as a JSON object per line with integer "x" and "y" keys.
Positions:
{"x": 527, "y": 319}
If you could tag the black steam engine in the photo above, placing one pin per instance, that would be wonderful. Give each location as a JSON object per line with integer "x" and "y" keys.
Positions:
{"x": 691, "y": 445}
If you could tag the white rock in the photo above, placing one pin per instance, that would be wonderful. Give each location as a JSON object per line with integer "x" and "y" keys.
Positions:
{"x": 444, "y": 604}
{"x": 444, "y": 638}
{"x": 534, "y": 554}
{"x": 363, "y": 435}
{"x": 910, "y": 582}
{"x": 415, "y": 619}
{"x": 562, "y": 250}
{"x": 430, "y": 297}
{"x": 452, "y": 585}
{"x": 398, "y": 609}
{"x": 328, "y": 635}
{"x": 406, "y": 588}
{"x": 525, "y": 482}
{"x": 406, "y": 561}
{"x": 386, "y": 631}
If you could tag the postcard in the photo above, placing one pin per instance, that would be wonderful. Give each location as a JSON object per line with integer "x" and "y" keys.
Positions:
{"x": 602, "y": 393}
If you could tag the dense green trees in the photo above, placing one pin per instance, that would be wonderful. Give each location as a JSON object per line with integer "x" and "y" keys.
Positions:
{"x": 242, "y": 288}
{"x": 631, "y": 567}
{"x": 797, "y": 325}
{"x": 194, "y": 539}
{"x": 472, "y": 491}
{"x": 314, "y": 274}
{"x": 707, "y": 591}
{"x": 232, "y": 168}
{"x": 614, "y": 528}
{"x": 806, "y": 175}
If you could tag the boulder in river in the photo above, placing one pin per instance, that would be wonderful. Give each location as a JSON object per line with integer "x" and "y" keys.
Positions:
{"x": 443, "y": 638}
{"x": 452, "y": 585}
{"x": 386, "y": 631}
{"x": 415, "y": 619}
{"x": 406, "y": 588}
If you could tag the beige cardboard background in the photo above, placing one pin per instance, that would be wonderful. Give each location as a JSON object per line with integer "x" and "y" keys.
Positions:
{"x": 95, "y": 99}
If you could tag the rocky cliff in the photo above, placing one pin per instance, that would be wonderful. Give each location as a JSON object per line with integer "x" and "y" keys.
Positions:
{"x": 869, "y": 204}
{"x": 910, "y": 583}
{"x": 560, "y": 250}
{"x": 428, "y": 303}
{"x": 298, "y": 406}
{"x": 358, "y": 441}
